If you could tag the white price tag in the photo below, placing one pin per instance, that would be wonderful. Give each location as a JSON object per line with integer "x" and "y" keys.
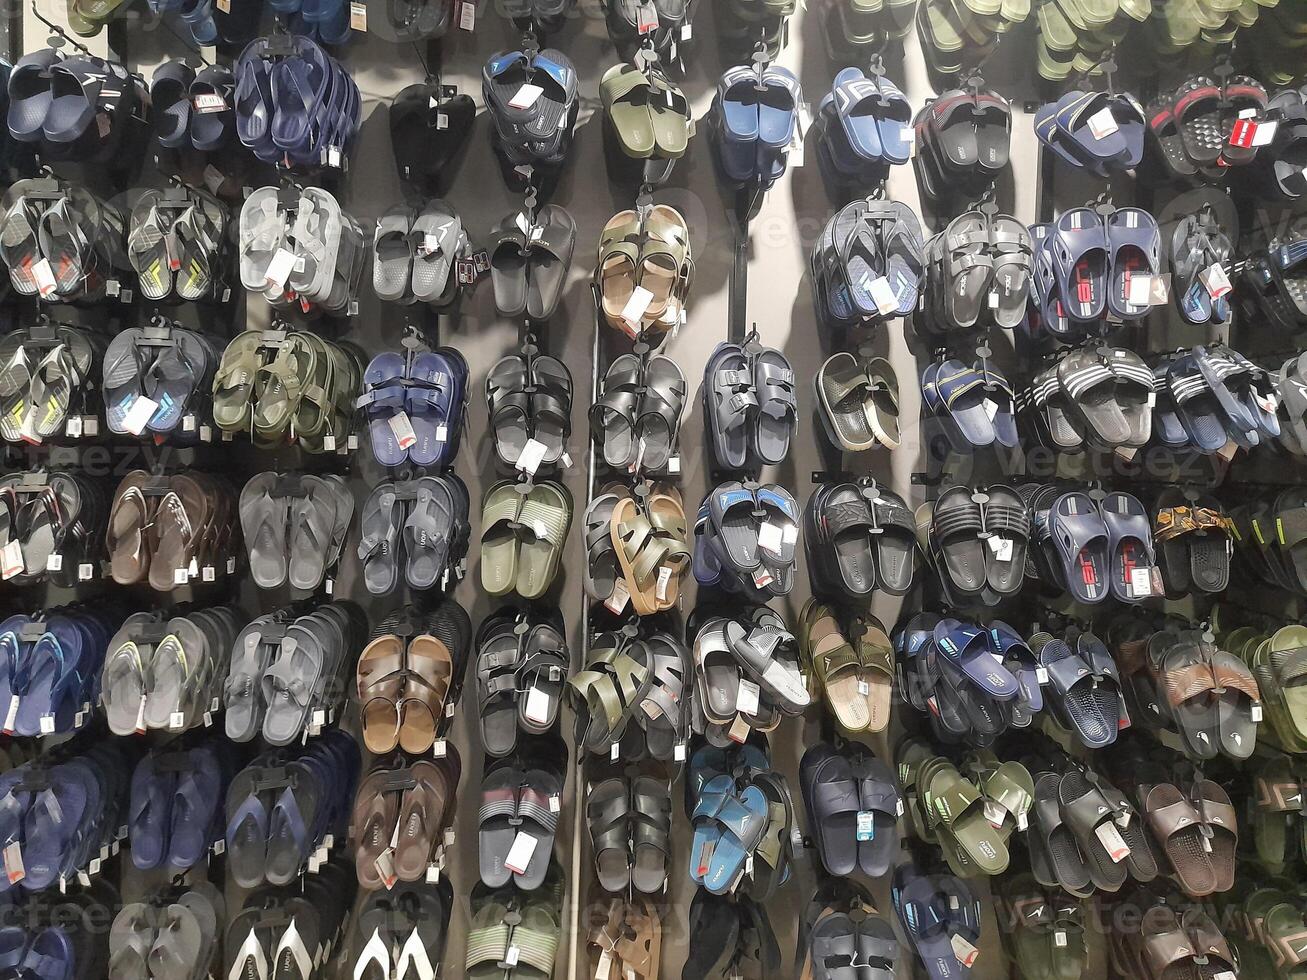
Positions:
{"x": 467, "y": 15}
{"x": 526, "y": 97}
{"x": 1141, "y": 583}
{"x": 1139, "y": 290}
{"x": 1002, "y": 547}
{"x": 620, "y": 597}
{"x": 207, "y": 102}
{"x": 281, "y": 266}
{"x": 866, "y": 825}
{"x": 139, "y": 415}
{"x": 1215, "y": 279}
{"x": 995, "y": 814}
{"x": 634, "y": 310}
{"x": 769, "y": 538}
{"x": 47, "y": 724}
{"x": 1041, "y": 675}
{"x": 519, "y": 855}
{"x": 1256, "y": 712}
{"x": 1102, "y": 124}
{"x": 538, "y": 705}
{"x": 358, "y": 17}
{"x": 1059, "y": 939}
{"x": 746, "y": 702}
{"x": 882, "y": 294}
{"x": 54, "y": 563}
{"x": 14, "y": 863}
{"x": 44, "y": 276}
{"x": 402, "y": 428}
{"x": 11, "y": 560}
{"x": 1112, "y": 841}
{"x": 533, "y": 453}
{"x": 664, "y": 580}
{"x": 1265, "y": 133}
{"x": 966, "y": 953}
{"x": 11, "y": 718}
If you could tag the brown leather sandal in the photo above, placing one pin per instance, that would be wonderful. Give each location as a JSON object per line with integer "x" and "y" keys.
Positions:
{"x": 372, "y": 824}
{"x": 430, "y": 669}
{"x": 628, "y": 941}
{"x": 380, "y": 682}
{"x": 424, "y": 814}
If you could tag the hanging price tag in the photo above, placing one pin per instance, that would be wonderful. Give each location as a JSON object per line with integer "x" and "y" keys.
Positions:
{"x": 1216, "y": 280}
{"x": 519, "y": 855}
{"x": 533, "y": 454}
{"x": 44, "y": 276}
{"x": 281, "y": 266}
{"x": 139, "y": 415}
{"x": 526, "y": 97}
{"x": 11, "y": 560}
{"x": 207, "y": 102}
{"x": 620, "y": 597}
{"x": 1102, "y": 124}
{"x": 402, "y": 427}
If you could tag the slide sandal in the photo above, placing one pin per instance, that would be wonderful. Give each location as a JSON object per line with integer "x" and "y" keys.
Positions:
{"x": 1088, "y": 379}
{"x": 831, "y": 796}
{"x": 879, "y": 797}
{"x": 1129, "y": 546}
{"x": 966, "y": 648}
{"x": 1177, "y": 827}
{"x": 1134, "y": 248}
{"x": 1081, "y": 539}
{"x": 1089, "y": 816}
{"x": 1080, "y": 263}
{"x": 435, "y": 404}
{"x": 1196, "y": 404}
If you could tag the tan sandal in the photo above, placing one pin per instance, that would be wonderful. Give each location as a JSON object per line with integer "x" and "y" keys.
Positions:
{"x": 380, "y": 682}
{"x": 876, "y": 654}
{"x": 651, "y": 550}
{"x": 833, "y": 664}
{"x": 429, "y": 671}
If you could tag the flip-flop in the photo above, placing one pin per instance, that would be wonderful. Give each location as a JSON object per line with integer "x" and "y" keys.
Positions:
{"x": 265, "y": 522}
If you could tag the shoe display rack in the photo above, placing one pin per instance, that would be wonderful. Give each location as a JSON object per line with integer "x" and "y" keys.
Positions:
{"x": 638, "y": 489}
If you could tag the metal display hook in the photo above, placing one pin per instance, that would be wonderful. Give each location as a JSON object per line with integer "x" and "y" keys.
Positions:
{"x": 63, "y": 36}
